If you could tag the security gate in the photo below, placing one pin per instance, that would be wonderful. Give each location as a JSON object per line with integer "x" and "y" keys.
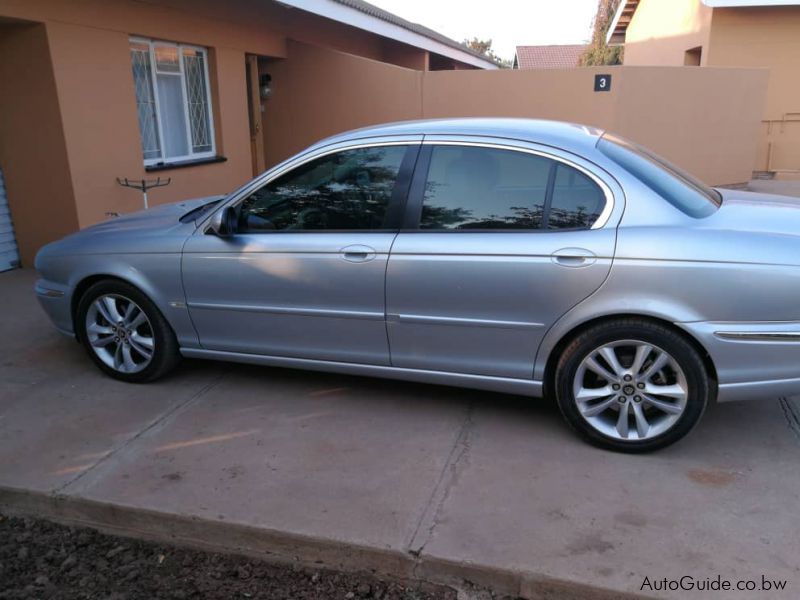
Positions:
{"x": 9, "y": 255}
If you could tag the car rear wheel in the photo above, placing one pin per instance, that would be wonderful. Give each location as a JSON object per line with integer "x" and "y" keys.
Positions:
{"x": 124, "y": 333}
{"x": 631, "y": 385}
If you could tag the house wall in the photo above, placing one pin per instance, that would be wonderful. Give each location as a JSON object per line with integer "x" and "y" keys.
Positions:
{"x": 319, "y": 92}
{"x": 74, "y": 101}
{"x": 766, "y": 37}
{"x": 32, "y": 146}
{"x": 661, "y": 32}
{"x": 704, "y": 120}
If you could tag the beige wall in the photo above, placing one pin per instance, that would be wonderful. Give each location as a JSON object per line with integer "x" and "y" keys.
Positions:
{"x": 98, "y": 108}
{"x": 662, "y": 31}
{"x": 318, "y": 92}
{"x": 766, "y": 37}
{"x": 73, "y": 112}
{"x": 32, "y": 147}
{"x": 706, "y": 120}
{"x": 71, "y": 127}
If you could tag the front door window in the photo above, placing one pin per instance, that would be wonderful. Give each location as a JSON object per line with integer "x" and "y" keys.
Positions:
{"x": 346, "y": 191}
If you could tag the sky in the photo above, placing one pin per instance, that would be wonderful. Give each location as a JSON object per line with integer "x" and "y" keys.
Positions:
{"x": 507, "y": 23}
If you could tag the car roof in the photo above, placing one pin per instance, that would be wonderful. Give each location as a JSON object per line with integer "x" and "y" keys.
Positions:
{"x": 569, "y": 136}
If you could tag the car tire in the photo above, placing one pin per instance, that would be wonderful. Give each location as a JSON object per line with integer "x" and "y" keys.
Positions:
{"x": 145, "y": 348}
{"x": 652, "y": 401}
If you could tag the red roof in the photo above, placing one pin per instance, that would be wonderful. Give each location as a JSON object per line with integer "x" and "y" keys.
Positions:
{"x": 548, "y": 57}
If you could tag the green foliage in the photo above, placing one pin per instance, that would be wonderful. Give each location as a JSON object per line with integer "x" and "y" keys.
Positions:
{"x": 598, "y": 52}
{"x": 485, "y": 47}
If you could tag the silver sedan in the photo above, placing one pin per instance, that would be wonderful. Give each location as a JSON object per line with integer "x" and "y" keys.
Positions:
{"x": 519, "y": 256}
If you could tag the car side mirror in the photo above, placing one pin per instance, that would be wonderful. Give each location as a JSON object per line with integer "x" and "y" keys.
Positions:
{"x": 223, "y": 223}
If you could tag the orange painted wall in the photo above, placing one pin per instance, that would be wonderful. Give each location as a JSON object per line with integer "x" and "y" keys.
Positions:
{"x": 32, "y": 148}
{"x": 319, "y": 92}
{"x": 80, "y": 78}
{"x": 74, "y": 117}
{"x": 661, "y": 32}
{"x": 98, "y": 108}
{"x": 705, "y": 120}
{"x": 766, "y": 37}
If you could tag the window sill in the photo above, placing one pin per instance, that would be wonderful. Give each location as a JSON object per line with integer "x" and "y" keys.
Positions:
{"x": 164, "y": 166}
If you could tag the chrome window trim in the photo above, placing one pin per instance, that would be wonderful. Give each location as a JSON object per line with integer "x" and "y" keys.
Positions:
{"x": 299, "y": 161}
{"x": 605, "y": 214}
{"x": 759, "y": 336}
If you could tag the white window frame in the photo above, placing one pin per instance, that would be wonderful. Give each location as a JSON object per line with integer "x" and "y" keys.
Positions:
{"x": 152, "y": 44}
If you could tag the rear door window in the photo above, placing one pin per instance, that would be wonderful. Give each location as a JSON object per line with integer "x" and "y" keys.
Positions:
{"x": 478, "y": 188}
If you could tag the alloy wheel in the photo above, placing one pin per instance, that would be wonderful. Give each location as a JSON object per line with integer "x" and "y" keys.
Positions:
{"x": 630, "y": 390}
{"x": 120, "y": 333}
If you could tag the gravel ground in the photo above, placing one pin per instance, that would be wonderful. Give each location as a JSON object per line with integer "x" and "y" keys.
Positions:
{"x": 39, "y": 559}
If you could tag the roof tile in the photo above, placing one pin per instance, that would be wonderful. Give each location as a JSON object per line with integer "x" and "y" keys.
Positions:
{"x": 549, "y": 57}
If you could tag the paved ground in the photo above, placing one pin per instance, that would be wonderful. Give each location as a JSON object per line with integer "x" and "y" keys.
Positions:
{"x": 407, "y": 479}
{"x": 775, "y": 186}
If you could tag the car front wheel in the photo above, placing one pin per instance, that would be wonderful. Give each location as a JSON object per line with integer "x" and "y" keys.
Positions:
{"x": 631, "y": 385}
{"x": 124, "y": 333}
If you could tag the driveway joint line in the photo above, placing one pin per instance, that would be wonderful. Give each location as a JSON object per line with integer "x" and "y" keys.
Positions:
{"x": 792, "y": 415}
{"x": 60, "y": 490}
{"x": 456, "y": 458}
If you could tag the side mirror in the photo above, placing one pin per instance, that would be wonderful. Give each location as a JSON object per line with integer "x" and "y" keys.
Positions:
{"x": 223, "y": 223}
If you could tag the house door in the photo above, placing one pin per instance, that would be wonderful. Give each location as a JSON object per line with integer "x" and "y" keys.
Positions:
{"x": 9, "y": 255}
{"x": 254, "y": 110}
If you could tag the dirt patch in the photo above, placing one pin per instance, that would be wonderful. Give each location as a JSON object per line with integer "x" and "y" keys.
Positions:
{"x": 712, "y": 477}
{"x": 39, "y": 559}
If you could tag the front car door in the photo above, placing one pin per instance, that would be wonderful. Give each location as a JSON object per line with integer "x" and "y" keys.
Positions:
{"x": 304, "y": 274}
{"x": 500, "y": 240}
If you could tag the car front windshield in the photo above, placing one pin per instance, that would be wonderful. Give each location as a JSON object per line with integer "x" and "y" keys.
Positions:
{"x": 684, "y": 191}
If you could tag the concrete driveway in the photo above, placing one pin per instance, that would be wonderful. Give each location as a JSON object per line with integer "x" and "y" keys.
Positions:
{"x": 435, "y": 482}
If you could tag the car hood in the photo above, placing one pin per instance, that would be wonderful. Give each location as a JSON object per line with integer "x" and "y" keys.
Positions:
{"x": 751, "y": 211}
{"x": 161, "y": 229}
{"x": 163, "y": 217}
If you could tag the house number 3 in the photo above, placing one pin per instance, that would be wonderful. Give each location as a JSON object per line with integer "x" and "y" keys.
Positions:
{"x": 602, "y": 83}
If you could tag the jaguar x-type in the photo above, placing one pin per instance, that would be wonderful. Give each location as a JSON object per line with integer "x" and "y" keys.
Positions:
{"x": 519, "y": 256}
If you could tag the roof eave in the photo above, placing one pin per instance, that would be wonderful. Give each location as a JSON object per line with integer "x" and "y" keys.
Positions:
{"x": 341, "y": 13}
{"x": 619, "y": 24}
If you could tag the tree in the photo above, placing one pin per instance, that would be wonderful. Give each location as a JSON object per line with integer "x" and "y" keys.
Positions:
{"x": 485, "y": 47}
{"x": 598, "y": 52}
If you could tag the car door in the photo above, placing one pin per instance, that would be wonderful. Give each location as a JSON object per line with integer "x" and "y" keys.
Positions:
{"x": 499, "y": 242}
{"x": 303, "y": 276}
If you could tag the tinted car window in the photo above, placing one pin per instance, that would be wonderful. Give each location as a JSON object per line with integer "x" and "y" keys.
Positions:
{"x": 577, "y": 200}
{"x": 343, "y": 191}
{"x": 675, "y": 185}
{"x": 484, "y": 188}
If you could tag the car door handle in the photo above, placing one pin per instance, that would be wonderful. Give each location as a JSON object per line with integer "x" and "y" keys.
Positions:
{"x": 574, "y": 257}
{"x": 358, "y": 253}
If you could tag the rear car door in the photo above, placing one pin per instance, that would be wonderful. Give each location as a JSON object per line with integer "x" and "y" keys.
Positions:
{"x": 304, "y": 274}
{"x": 499, "y": 241}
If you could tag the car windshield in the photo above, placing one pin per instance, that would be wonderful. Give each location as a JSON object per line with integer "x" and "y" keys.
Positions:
{"x": 676, "y": 186}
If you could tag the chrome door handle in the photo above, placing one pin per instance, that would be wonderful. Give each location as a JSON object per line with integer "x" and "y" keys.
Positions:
{"x": 574, "y": 257}
{"x": 358, "y": 253}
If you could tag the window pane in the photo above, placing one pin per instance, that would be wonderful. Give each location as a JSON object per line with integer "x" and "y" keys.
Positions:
{"x": 484, "y": 188}
{"x": 197, "y": 99}
{"x": 145, "y": 100}
{"x": 577, "y": 200}
{"x": 173, "y": 119}
{"x": 673, "y": 184}
{"x": 166, "y": 59}
{"x": 347, "y": 190}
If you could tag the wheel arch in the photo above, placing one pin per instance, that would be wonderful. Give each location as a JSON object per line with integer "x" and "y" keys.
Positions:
{"x": 552, "y": 358}
{"x": 83, "y": 285}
